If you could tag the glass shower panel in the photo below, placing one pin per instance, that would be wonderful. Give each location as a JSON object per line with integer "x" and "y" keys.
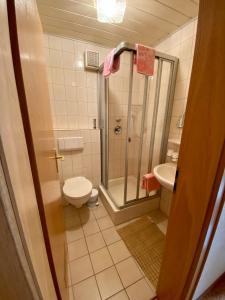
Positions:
{"x": 160, "y": 119}
{"x": 129, "y": 154}
{"x": 161, "y": 116}
{"x": 147, "y": 129}
{"x": 134, "y": 135}
{"x": 103, "y": 125}
{"x": 117, "y": 128}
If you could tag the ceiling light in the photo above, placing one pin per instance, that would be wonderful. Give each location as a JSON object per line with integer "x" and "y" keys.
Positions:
{"x": 110, "y": 11}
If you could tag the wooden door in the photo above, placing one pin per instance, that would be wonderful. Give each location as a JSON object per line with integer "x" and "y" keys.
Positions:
{"x": 13, "y": 145}
{"x": 31, "y": 79}
{"x": 202, "y": 156}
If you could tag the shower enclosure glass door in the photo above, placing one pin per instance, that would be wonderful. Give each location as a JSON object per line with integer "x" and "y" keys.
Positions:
{"x": 134, "y": 118}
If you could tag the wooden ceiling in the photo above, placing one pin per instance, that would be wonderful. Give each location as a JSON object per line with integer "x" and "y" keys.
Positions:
{"x": 145, "y": 21}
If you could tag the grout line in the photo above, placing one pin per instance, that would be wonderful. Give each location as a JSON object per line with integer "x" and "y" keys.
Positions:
{"x": 114, "y": 264}
{"x": 93, "y": 269}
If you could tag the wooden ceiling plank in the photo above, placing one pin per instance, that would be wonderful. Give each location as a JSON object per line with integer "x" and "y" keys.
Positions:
{"x": 159, "y": 10}
{"x": 68, "y": 33}
{"x": 69, "y": 17}
{"x": 61, "y": 13}
{"x": 88, "y": 29}
{"x": 145, "y": 21}
{"x": 187, "y": 7}
{"x": 150, "y": 20}
{"x": 83, "y": 30}
{"x": 135, "y": 25}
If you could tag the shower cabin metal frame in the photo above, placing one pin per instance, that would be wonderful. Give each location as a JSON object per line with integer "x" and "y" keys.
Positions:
{"x": 124, "y": 46}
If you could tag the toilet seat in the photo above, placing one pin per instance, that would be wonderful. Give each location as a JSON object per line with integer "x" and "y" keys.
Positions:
{"x": 77, "y": 187}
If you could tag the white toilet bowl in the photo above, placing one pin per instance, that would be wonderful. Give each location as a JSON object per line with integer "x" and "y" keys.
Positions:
{"x": 77, "y": 190}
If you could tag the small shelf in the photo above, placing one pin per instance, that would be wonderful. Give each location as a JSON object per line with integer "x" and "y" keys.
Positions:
{"x": 174, "y": 141}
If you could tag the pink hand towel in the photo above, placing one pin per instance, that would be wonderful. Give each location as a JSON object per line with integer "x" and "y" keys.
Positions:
{"x": 150, "y": 183}
{"x": 145, "y": 58}
{"x": 111, "y": 63}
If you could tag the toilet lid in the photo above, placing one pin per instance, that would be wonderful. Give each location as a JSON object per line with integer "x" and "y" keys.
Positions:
{"x": 77, "y": 187}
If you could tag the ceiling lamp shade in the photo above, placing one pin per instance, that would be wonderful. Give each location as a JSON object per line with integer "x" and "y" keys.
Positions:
{"x": 110, "y": 11}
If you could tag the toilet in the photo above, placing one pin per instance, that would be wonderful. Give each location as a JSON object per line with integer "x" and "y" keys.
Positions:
{"x": 77, "y": 190}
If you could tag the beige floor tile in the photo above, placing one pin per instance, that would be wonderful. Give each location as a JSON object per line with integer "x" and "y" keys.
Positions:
{"x": 100, "y": 212}
{"x": 90, "y": 228}
{"x": 101, "y": 260}
{"x": 71, "y": 294}
{"x": 105, "y": 223}
{"x": 109, "y": 283}
{"x": 140, "y": 290}
{"x": 83, "y": 210}
{"x": 74, "y": 234}
{"x": 163, "y": 226}
{"x": 80, "y": 269}
{"x": 99, "y": 204}
{"x": 86, "y": 216}
{"x": 72, "y": 222}
{"x": 70, "y": 210}
{"x": 95, "y": 242}
{"x": 118, "y": 251}
{"x": 86, "y": 290}
{"x": 129, "y": 271}
{"x": 77, "y": 249}
{"x": 120, "y": 296}
{"x": 110, "y": 235}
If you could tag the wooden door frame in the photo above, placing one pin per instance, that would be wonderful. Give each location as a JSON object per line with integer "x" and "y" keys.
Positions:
{"x": 209, "y": 229}
{"x": 28, "y": 134}
{"x": 211, "y": 20}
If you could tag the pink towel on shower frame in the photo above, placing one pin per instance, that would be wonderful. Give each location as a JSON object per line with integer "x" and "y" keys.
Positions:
{"x": 144, "y": 59}
{"x": 150, "y": 183}
{"x": 111, "y": 63}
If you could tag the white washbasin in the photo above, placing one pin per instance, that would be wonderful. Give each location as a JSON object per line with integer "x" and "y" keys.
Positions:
{"x": 165, "y": 174}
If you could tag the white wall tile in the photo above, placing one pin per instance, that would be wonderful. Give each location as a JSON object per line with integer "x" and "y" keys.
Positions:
{"x": 54, "y": 42}
{"x": 85, "y": 162}
{"x": 69, "y": 81}
{"x": 58, "y": 92}
{"x": 57, "y": 76}
{"x": 181, "y": 44}
{"x": 55, "y": 58}
{"x": 68, "y": 45}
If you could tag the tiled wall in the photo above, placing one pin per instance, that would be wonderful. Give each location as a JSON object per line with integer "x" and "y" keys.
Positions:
{"x": 84, "y": 162}
{"x": 118, "y": 100}
{"x": 73, "y": 90}
{"x": 73, "y": 94}
{"x": 180, "y": 44}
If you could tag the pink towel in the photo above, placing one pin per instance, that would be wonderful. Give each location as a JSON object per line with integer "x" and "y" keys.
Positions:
{"x": 111, "y": 63}
{"x": 150, "y": 183}
{"x": 145, "y": 59}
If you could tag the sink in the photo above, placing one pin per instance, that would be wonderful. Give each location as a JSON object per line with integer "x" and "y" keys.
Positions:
{"x": 165, "y": 174}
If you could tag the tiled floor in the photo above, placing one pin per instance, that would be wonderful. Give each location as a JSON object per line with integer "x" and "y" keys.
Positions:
{"x": 100, "y": 265}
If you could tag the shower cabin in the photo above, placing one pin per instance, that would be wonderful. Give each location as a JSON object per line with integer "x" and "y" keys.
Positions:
{"x": 134, "y": 119}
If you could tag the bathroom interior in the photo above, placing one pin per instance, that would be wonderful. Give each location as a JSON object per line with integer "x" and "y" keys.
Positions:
{"x": 126, "y": 125}
{"x": 117, "y": 77}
